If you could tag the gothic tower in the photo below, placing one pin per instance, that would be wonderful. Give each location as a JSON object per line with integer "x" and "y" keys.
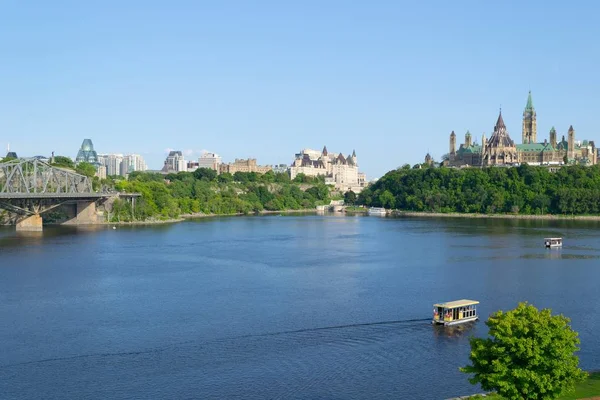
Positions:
{"x": 529, "y": 122}
{"x": 468, "y": 141}
{"x": 483, "y": 142}
{"x": 571, "y": 143}
{"x": 452, "y": 143}
{"x": 553, "y": 137}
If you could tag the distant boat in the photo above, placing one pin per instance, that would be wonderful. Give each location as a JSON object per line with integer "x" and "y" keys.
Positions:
{"x": 455, "y": 312}
{"x": 552, "y": 242}
{"x": 377, "y": 211}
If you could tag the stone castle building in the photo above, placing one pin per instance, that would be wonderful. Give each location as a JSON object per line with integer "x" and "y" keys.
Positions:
{"x": 500, "y": 149}
{"x": 248, "y": 165}
{"x": 340, "y": 171}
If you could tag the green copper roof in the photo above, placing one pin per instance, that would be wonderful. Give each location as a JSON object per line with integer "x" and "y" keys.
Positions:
{"x": 529, "y": 106}
{"x": 535, "y": 147}
{"x": 468, "y": 133}
{"x": 553, "y": 130}
{"x": 475, "y": 148}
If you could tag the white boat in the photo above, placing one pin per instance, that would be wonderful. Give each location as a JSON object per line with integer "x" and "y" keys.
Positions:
{"x": 455, "y": 312}
{"x": 552, "y": 242}
{"x": 379, "y": 211}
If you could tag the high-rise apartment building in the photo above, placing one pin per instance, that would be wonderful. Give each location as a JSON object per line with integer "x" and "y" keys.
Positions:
{"x": 119, "y": 164}
{"x": 209, "y": 160}
{"x": 131, "y": 163}
{"x": 175, "y": 162}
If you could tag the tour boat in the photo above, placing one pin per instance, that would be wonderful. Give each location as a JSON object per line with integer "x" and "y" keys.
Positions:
{"x": 552, "y": 242}
{"x": 455, "y": 312}
{"x": 377, "y": 211}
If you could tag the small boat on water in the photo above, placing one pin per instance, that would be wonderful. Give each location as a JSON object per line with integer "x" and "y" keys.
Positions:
{"x": 455, "y": 312}
{"x": 552, "y": 242}
{"x": 380, "y": 211}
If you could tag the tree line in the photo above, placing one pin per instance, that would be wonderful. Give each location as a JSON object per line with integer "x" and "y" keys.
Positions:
{"x": 203, "y": 191}
{"x": 518, "y": 190}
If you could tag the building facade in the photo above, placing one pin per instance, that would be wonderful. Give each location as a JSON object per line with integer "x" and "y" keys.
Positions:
{"x": 247, "y": 165}
{"x": 119, "y": 164}
{"x": 340, "y": 171}
{"x": 500, "y": 149}
{"x": 131, "y": 163}
{"x": 281, "y": 168}
{"x": 175, "y": 162}
{"x": 210, "y": 161}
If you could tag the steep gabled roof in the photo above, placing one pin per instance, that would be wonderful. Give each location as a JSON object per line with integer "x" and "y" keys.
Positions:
{"x": 340, "y": 159}
{"x": 500, "y": 137}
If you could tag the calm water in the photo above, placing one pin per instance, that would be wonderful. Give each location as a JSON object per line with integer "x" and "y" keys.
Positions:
{"x": 278, "y": 307}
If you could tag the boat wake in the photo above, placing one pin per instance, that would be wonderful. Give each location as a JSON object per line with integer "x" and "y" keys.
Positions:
{"x": 214, "y": 341}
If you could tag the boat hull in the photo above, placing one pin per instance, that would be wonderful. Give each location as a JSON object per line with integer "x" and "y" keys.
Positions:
{"x": 456, "y": 322}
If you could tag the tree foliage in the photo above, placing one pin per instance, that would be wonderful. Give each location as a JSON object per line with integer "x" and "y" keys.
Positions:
{"x": 530, "y": 355}
{"x": 85, "y": 168}
{"x": 519, "y": 190}
{"x": 349, "y": 198}
{"x": 63, "y": 162}
{"x": 169, "y": 196}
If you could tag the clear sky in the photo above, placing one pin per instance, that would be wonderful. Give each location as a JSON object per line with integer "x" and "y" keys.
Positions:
{"x": 265, "y": 79}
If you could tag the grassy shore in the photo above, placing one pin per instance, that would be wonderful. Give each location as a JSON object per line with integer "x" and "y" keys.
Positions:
{"x": 184, "y": 217}
{"x": 356, "y": 210}
{"x": 263, "y": 212}
{"x": 589, "y": 389}
{"x": 398, "y": 213}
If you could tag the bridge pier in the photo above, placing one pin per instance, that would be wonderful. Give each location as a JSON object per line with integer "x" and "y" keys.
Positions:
{"x": 86, "y": 213}
{"x": 30, "y": 223}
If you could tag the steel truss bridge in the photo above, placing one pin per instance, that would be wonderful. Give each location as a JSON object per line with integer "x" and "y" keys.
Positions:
{"x": 30, "y": 187}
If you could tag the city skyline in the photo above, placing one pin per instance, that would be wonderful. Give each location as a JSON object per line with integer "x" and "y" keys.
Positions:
{"x": 266, "y": 79}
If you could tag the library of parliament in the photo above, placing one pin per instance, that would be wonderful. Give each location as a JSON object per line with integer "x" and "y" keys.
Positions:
{"x": 500, "y": 149}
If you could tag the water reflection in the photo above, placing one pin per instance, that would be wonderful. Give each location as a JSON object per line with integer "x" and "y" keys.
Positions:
{"x": 454, "y": 331}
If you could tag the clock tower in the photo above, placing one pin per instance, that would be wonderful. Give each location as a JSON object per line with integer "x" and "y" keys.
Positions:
{"x": 529, "y": 122}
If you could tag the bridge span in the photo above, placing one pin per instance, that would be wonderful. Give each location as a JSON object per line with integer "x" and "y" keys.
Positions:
{"x": 30, "y": 187}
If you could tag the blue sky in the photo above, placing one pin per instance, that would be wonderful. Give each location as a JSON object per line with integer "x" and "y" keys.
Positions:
{"x": 265, "y": 79}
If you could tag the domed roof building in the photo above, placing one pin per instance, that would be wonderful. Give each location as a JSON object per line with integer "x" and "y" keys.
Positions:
{"x": 87, "y": 153}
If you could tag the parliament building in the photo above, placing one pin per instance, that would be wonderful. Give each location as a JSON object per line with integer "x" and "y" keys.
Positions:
{"x": 500, "y": 149}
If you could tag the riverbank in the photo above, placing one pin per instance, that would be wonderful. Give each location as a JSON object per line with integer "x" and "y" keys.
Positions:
{"x": 398, "y": 213}
{"x": 588, "y": 389}
{"x": 146, "y": 222}
{"x": 263, "y": 212}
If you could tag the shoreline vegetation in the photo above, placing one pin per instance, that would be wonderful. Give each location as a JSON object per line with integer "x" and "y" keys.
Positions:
{"x": 588, "y": 389}
{"x": 425, "y": 214}
{"x": 203, "y": 193}
{"x": 528, "y": 191}
{"x": 185, "y": 217}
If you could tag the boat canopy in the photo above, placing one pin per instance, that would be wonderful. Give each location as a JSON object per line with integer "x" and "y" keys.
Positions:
{"x": 457, "y": 303}
{"x": 556, "y": 238}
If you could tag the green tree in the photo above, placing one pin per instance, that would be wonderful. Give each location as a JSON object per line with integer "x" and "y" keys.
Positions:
{"x": 349, "y": 198}
{"x": 386, "y": 199}
{"x": 206, "y": 174}
{"x": 85, "y": 168}
{"x": 530, "y": 355}
{"x": 225, "y": 177}
{"x": 64, "y": 162}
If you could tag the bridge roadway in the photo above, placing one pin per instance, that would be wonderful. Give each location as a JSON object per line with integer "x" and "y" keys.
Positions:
{"x": 64, "y": 196}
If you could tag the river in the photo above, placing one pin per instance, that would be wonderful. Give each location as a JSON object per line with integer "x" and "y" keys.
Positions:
{"x": 275, "y": 307}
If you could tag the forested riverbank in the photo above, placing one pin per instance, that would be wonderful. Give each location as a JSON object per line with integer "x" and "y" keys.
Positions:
{"x": 204, "y": 193}
{"x": 523, "y": 190}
